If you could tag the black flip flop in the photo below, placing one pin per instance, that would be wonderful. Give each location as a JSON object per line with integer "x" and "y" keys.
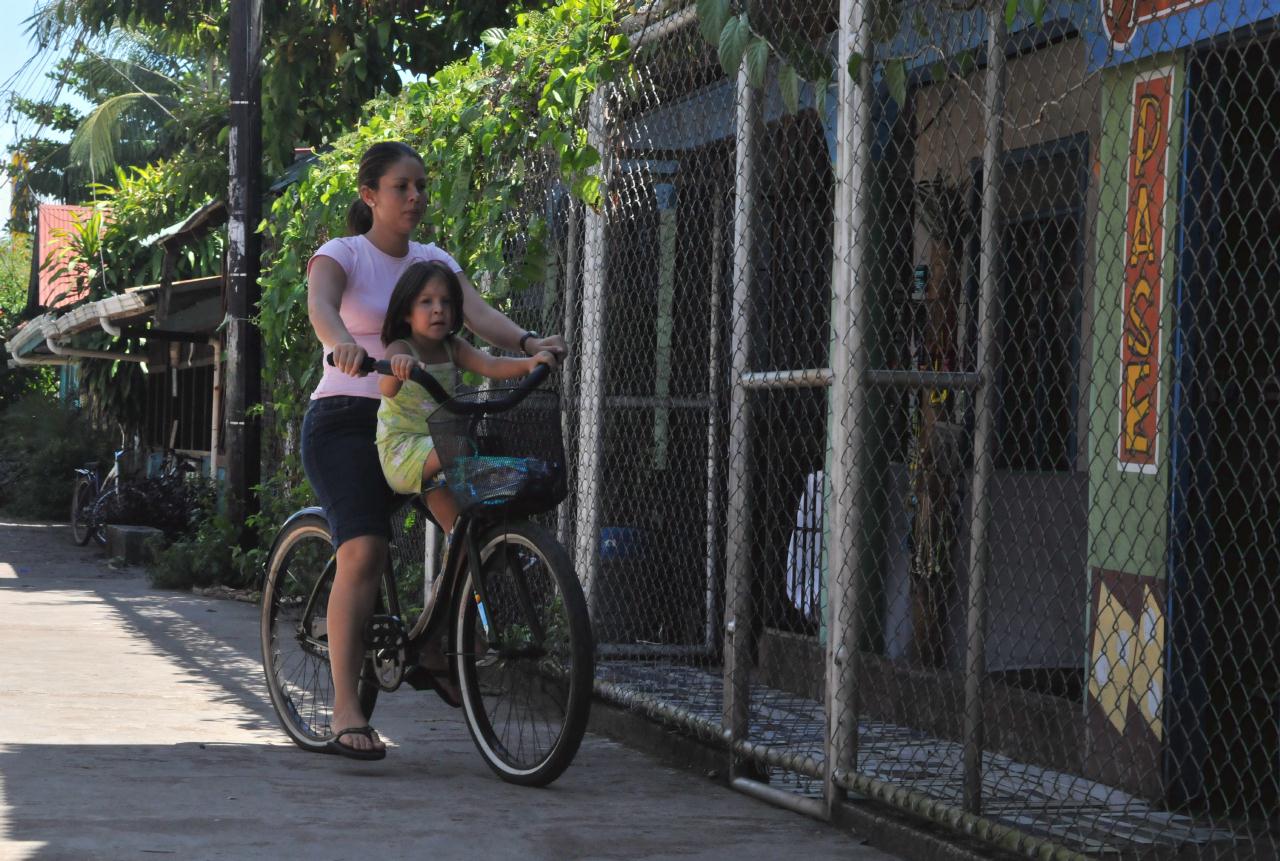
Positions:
{"x": 336, "y": 746}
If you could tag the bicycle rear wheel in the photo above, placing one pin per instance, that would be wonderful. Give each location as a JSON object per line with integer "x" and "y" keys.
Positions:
{"x": 103, "y": 509}
{"x": 525, "y": 657}
{"x": 295, "y": 651}
{"x": 81, "y": 510}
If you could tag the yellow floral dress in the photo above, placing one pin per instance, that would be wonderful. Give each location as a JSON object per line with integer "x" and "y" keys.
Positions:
{"x": 404, "y": 440}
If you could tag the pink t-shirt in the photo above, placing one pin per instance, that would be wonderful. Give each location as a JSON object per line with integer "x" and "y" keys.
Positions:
{"x": 371, "y": 276}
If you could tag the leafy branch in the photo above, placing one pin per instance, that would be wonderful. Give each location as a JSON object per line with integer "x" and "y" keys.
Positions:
{"x": 741, "y": 33}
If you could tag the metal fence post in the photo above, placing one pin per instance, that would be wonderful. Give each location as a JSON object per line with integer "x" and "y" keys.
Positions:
{"x": 848, "y": 398}
{"x": 591, "y": 375}
{"x": 737, "y": 621}
{"x": 980, "y": 505}
{"x": 715, "y": 465}
{"x": 568, "y": 390}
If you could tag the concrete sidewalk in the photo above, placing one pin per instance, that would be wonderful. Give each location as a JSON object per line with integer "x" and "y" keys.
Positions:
{"x": 135, "y": 723}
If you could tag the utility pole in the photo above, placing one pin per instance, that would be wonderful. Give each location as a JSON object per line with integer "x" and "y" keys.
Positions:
{"x": 244, "y": 199}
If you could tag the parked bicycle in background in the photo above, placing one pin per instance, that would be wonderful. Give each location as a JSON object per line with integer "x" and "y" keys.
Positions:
{"x": 167, "y": 500}
{"x": 90, "y": 498}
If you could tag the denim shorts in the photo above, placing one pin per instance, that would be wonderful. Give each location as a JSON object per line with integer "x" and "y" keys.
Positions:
{"x": 341, "y": 462}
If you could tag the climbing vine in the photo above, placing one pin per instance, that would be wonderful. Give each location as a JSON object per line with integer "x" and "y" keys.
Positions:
{"x": 751, "y": 32}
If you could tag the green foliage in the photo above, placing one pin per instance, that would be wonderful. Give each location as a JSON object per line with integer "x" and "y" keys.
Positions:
{"x": 148, "y": 99}
{"x": 283, "y": 492}
{"x": 44, "y": 443}
{"x": 753, "y": 36}
{"x": 322, "y": 61}
{"x": 114, "y": 393}
{"x": 145, "y": 200}
{"x": 208, "y": 557}
{"x": 15, "y": 275}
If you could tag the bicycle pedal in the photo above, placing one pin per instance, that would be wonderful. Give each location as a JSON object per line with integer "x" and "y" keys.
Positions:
{"x": 385, "y": 632}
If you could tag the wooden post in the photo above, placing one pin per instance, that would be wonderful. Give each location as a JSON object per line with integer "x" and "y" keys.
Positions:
{"x": 244, "y": 349}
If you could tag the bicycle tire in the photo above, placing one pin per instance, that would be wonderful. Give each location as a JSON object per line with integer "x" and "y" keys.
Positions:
{"x": 104, "y": 504}
{"x": 505, "y": 663}
{"x": 295, "y": 659}
{"x": 81, "y": 502}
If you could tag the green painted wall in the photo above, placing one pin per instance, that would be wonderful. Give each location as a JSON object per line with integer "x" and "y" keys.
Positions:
{"x": 1128, "y": 512}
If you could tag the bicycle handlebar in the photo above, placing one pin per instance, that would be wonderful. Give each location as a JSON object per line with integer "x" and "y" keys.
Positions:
{"x": 433, "y": 387}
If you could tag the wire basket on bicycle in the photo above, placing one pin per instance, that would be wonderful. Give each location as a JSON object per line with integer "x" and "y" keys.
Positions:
{"x": 508, "y": 462}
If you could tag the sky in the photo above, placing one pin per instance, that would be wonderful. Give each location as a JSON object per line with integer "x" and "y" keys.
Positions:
{"x": 19, "y": 57}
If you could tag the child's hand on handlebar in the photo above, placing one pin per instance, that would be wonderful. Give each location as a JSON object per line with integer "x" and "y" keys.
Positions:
{"x": 402, "y": 366}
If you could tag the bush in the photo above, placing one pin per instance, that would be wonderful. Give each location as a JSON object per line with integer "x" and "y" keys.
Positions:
{"x": 44, "y": 443}
{"x": 176, "y": 506}
{"x": 209, "y": 556}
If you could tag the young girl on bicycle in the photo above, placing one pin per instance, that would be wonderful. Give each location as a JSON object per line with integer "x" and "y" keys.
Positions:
{"x": 423, "y": 319}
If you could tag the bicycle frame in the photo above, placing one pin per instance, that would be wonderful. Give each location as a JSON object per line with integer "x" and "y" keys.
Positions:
{"x": 100, "y": 485}
{"x": 435, "y": 617}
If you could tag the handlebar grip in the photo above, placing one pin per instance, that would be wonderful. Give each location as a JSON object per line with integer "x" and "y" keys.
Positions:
{"x": 368, "y": 366}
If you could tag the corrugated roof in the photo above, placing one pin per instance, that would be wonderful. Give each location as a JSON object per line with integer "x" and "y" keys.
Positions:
{"x": 28, "y": 342}
{"x": 54, "y": 289}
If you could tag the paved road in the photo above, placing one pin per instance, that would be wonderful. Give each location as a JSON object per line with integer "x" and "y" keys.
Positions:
{"x": 134, "y": 724}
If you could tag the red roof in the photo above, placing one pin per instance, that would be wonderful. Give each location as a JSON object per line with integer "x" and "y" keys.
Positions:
{"x": 57, "y": 287}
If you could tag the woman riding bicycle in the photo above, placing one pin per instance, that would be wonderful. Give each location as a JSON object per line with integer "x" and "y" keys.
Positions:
{"x": 349, "y": 286}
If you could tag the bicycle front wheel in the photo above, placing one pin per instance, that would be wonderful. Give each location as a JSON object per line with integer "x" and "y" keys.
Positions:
{"x": 81, "y": 510}
{"x": 524, "y": 655}
{"x": 295, "y": 641}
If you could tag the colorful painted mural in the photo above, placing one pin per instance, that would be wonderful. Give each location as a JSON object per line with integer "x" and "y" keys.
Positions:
{"x": 1143, "y": 284}
{"x": 1126, "y": 679}
{"x": 1122, "y": 17}
{"x": 1130, "y": 30}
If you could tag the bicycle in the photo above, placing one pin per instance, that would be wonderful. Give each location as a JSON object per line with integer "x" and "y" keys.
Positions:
{"x": 90, "y": 497}
{"x": 518, "y": 637}
{"x": 96, "y": 501}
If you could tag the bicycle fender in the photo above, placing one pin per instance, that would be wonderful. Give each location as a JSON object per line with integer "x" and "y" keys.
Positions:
{"x": 297, "y": 515}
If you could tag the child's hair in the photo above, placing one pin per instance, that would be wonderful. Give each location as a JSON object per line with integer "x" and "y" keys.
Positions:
{"x": 395, "y": 327}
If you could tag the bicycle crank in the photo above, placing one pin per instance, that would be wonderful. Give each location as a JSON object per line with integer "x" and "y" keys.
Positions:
{"x": 388, "y": 640}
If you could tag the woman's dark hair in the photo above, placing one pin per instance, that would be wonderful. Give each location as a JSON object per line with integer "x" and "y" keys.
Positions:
{"x": 395, "y": 327}
{"x": 376, "y": 161}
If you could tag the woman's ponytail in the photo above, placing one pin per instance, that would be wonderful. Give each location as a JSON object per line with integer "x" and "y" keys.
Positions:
{"x": 359, "y": 218}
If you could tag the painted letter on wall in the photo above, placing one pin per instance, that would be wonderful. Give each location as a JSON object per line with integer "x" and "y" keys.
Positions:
{"x": 1138, "y": 448}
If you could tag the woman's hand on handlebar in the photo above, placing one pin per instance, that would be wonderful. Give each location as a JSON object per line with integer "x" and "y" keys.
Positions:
{"x": 542, "y": 357}
{"x": 553, "y": 344}
{"x": 348, "y": 358}
{"x": 402, "y": 366}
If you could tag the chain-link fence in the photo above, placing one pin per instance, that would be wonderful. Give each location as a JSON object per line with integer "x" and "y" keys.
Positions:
{"x": 921, "y": 405}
